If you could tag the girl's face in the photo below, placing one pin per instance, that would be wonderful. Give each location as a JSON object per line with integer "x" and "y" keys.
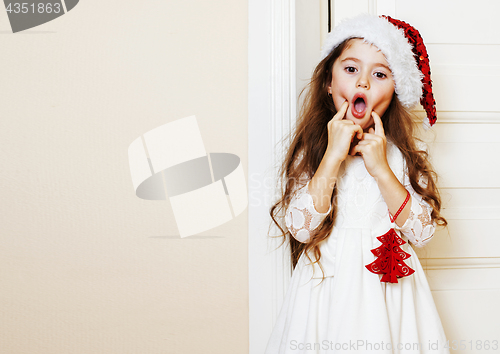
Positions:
{"x": 361, "y": 76}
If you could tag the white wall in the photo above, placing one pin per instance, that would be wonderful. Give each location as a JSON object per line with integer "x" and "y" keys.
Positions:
{"x": 85, "y": 265}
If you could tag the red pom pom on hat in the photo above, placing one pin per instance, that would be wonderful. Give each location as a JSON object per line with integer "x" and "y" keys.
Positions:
{"x": 422, "y": 59}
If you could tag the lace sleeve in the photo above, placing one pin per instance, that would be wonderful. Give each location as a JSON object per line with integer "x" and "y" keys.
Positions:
{"x": 301, "y": 217}
{"x": 419, "y": 227}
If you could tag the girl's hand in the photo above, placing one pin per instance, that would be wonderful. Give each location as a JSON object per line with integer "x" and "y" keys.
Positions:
{"x": 341, "y": 132}
{"x": 372, "y": 147}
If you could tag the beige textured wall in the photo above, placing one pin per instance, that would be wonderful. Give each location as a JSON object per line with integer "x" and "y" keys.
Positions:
{"x": 85, "y": 266}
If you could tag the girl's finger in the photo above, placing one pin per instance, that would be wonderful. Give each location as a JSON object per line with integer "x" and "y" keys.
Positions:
{"x": 374, "y": 138}
{"x": 379, "y": 127}
{"x": 364, "y": 142}
{"x": 358, "y": 131}
{"x": 356, "y": 149}
{"x": 341, "y": 113}
{"x": 368, "y": 136}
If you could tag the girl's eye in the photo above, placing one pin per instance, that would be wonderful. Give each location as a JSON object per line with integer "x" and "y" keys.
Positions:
{"x": 350, "y": 69}
{"x": 380, "y": 75}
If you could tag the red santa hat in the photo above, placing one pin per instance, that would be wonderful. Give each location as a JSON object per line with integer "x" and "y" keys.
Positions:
{"x": 404, "y": 49}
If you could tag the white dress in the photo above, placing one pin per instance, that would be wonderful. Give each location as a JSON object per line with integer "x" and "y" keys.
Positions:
{"x": 350, "y": 310}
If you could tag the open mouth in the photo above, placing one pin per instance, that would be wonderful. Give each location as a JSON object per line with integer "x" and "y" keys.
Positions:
{"x": 358, "y": 106}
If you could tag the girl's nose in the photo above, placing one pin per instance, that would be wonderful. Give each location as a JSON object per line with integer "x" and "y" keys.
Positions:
{"x": 363, "y": 83}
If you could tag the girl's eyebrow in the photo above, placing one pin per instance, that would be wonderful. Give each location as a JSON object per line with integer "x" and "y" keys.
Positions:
{"x": 357, "y": 60}
{"x": 350, "y": 58}
{"x": 384, "y": 66}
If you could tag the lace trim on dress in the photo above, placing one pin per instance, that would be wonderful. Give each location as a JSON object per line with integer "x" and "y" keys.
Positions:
{"x": 301, "y": 217}
{"x": 419, "y": 227}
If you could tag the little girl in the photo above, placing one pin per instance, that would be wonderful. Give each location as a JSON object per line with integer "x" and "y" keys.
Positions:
{"x": 359, "y": 190}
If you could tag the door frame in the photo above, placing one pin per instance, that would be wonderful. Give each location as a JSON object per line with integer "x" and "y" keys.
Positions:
{"x": 271, "y": 115}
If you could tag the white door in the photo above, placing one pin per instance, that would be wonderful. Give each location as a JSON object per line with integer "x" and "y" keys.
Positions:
{"x": 462, "y": 262}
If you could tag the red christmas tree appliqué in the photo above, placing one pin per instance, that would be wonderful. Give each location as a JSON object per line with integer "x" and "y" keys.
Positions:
{"x": 390, "y": 258}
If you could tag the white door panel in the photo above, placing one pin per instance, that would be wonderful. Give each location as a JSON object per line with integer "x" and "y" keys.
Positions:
{"x": 464, "y": 238}
{"x": 478, "y": 87}
{"x": 463, "y": 54}
{"x": 452, "y": 21}
{"x": 466, "y": 165}
{"x": 462, "y": 262}
{"x": 463, "y": 313}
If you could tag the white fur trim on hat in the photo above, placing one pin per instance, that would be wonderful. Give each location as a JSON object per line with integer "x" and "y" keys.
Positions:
{"x": 392, "y": 43}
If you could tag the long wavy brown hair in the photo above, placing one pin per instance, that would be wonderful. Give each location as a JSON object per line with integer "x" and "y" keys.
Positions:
{"x": 310, "y": 139}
